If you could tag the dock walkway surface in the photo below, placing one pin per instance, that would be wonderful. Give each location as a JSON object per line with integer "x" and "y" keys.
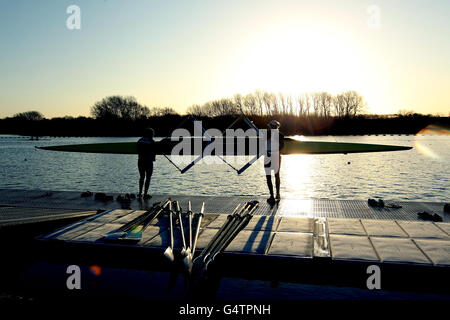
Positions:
{"x": 409, "y": 242}
{"x": 411, "y": 254}
{"x": 35, "y": 205}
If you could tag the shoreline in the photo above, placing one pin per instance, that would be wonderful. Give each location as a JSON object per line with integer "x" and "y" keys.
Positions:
{"x": 290, "y": 125}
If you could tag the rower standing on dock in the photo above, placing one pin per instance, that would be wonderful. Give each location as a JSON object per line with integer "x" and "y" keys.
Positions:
{"x": 272, "y": 157}
{"x": 146, "y": 154}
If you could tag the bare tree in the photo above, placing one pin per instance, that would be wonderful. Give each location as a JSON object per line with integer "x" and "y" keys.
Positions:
{"x": 250, "y": 104}
{"x": 291, "y": 105}
{"x": 228, "y": 106}
{"x": 119, "y": 107}
{"x": 353, "y": 103}
{"x": 339, "y": 105}
{"x": 325, "y": 103}
{"x": 282, "y": 102}
{"x": 308, "y": 103}
{"x": 303, "y": 104}
{"x": 164, "y": 111}
{"x": 271, "y": 103}
{"x": 315, "y": 98}
{"x": 405, "y": 113}
{"x": 196, "y": 110}
{"x": 238, "y": 101}
{"x": 259, "y": 97}
{"x": 348, "y": 103}
{"x": 29, "y": 115}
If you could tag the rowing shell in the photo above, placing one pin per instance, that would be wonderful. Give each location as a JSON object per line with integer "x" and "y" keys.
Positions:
{"x": 291, "y": 146}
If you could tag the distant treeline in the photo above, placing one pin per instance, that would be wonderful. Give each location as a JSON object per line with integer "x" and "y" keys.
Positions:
{"x": 310, "y": 114}
{"x": 163, "y": 125}
{"x": 260, "y": 103}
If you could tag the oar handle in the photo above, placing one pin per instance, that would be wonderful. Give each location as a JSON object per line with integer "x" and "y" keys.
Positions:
{"x": 222, "y": 233}
{"x": 219, "y": 233}
{"x": 238, "y": 228}
{"x": 126, "y": 227}
{"x": 156, "y": 214}
{"x": 180, "y": 218}
{"x": 171, "y": 224}
{"x": 190, "y": 224}
{"x": 196, "y": 233}
{"x": 202, "y": 210}
{"x": 199, "y": 222}
{"x": 234, "y": 228}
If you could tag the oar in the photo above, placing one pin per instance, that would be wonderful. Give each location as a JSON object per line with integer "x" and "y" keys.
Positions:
{"x": 231, "y": 235}
{"x": 188, "y": 259}
{"x": 169, "y": 251}
{"x": 199, "y": 260}
{"x": 206, "y": 250}
{"x": 180, "y": 218}
{"x": 240, "y": 221}
{"x": 117, "y": 234}
{"x": 226, "y": 231}
{"x": 190, "y": 224}
{"x": 135, "y": 233}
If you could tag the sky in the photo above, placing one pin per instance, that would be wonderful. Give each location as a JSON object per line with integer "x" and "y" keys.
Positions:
{"x": 182, "y": 52}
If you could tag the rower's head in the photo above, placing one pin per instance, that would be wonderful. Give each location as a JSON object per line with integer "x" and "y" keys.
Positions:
{"x": 274, "y": 124}
{"x": 149, "y": 133}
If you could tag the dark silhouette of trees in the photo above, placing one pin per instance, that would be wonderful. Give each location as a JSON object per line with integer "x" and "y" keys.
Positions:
{"x": 126, "y": 108}
{"x": 250, "y": 105}
{"x": 196, "y": 110}
{"x": 119, "y": 107}
{"x": 353, "y": 103}
{"x": 159, "y": 112}
{"x": 29, "y": 115}
{"x": 261, "y": 103}
{"x": 316, "y": 113}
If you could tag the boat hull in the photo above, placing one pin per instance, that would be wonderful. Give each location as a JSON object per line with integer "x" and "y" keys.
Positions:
{"x": 291, "y": 146}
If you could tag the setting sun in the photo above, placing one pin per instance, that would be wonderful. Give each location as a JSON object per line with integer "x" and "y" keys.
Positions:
{"x": 297, "y": 60}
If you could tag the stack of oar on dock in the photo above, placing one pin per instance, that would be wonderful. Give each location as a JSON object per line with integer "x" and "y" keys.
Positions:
{"x": 234, "y": 224}
{"x": 188, "y": 250}
{"x": 236, "y": 221}
{"x": 133, "y": 230}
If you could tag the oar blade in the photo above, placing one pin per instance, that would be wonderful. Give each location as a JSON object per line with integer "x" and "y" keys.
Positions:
{"x": 113, "y": 236}
{"x": 134, "y": 235}
{"x": 169, "y": 254}
{"x": 187, "y": 261}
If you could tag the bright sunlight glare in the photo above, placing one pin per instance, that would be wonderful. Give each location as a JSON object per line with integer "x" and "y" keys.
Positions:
{"x": 298, "y": 60}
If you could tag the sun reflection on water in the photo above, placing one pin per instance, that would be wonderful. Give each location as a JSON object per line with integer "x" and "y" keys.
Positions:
{"x": 296, "y": 173}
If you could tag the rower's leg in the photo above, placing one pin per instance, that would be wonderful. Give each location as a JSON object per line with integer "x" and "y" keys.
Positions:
{"x": 141, "y": 179}
{"x": 269, "y": 185}
{"x": 277, "y": 179}
{"x": 277, "y": 184}
{"x": 147, "y": 183}
{"x": 148, "y": 177}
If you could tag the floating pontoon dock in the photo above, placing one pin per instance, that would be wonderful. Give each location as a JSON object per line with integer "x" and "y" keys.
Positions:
{"x": 312, "y": 240}
{"x": 55, "y": 202}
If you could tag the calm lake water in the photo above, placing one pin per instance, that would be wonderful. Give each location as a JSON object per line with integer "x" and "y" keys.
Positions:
{"x": 422, "y": 173}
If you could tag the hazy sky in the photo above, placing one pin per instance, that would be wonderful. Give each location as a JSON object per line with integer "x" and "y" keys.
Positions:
{"x": 177, "y": 53}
